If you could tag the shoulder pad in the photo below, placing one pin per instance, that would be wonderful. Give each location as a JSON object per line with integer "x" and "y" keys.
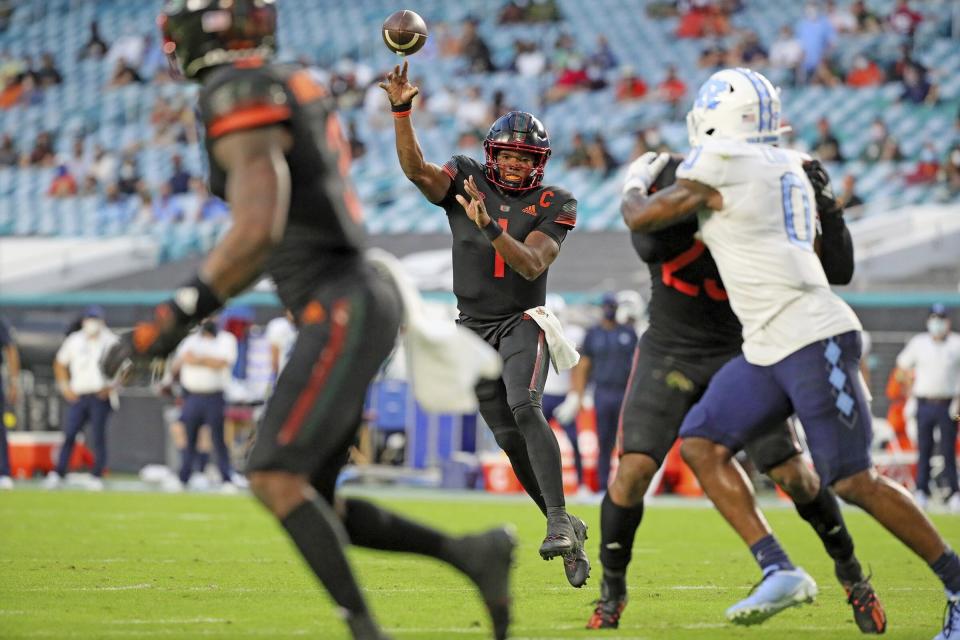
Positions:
{"x": 239, "y": 99}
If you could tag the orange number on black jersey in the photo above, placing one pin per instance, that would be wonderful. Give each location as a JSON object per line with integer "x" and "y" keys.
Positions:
{"x": 498, "y": 264}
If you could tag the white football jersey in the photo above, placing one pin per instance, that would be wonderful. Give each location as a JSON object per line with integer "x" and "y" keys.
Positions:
{"x": 762, "y": 240}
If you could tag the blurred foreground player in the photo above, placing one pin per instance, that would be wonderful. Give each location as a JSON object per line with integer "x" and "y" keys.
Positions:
{"x": 692, "y": 333}
{"x": 277, "y": 156}
{"x": 801, "y": 348}
{"x": 507, "y": 230}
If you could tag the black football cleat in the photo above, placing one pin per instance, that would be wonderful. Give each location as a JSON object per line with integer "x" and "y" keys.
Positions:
{"x": 363, "y": 627}
{"x": 613, "y": 600}
{"x": 560, "y": 539}
{"x": 490, "y": 557}
{"x": 868, "y": 613}
{"x": 576, "y": 564}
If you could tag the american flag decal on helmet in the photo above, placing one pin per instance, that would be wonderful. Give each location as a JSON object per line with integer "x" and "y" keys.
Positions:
{"x": 568, "y": 214}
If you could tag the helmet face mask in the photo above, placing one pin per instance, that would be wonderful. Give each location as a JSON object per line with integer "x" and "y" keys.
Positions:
{"x": 521, "y": 133}
{"x": 736, "y": 104}
{"x": 200, "y": 34}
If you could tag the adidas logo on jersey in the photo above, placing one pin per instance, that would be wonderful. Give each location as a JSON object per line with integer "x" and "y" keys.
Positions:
{"x": 531, "y": 210}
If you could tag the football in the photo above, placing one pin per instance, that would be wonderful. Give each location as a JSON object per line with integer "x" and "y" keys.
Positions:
{"x": 404, "y": 32}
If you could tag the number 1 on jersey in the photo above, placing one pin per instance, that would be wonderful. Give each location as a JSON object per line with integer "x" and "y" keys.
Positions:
{"x": 498, "y": 263}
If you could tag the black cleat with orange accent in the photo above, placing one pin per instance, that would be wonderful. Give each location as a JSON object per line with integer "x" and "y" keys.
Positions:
{"x": 868, "y": 613}
{"x": 613, "y": 599}
{"x": 561, "y": 539}
{"x": 576, "y": 564}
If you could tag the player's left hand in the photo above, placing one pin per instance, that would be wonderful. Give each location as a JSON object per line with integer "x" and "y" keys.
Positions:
{"x": 476, "y": 210}
{"x": 820, "y": 179}
{"x": 644, "y": 170}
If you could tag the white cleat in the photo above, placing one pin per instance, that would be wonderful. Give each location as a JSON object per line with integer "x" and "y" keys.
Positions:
{"x": 52, "y": 481}
{"x": 93, "y": 484}
{"x": 951, "y": 620}
{"x": 778, "y": 591}
{"x": 921, "y": 499}
{"x": 953, "y": 504}
{"x": 240, "y": 481}
{"x": 6, "y": 483}
{"x": 171, "y": 484}
{"x": 229, "y": 489}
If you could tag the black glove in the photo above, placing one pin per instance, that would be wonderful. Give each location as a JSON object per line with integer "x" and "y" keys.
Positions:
{"x": 826, "y": 200}
{"x": 146, "y": 341}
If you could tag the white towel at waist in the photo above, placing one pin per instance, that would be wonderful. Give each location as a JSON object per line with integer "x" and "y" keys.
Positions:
{"x": 563, "y": 353}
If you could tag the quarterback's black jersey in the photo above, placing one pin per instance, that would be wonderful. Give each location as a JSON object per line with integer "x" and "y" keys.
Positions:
{"x": 324, "y": 232}
{"x": 485, "y": 286}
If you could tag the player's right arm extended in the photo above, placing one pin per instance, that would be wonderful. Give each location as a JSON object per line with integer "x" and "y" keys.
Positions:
{"x": 429, "y": 178}
{"x": 667, "y": 206}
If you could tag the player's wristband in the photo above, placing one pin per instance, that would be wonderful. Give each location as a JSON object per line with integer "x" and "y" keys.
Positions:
{"x": 401, "y": 110}
{"x": 192, "y": 302}
{"x": 492, "y": 230}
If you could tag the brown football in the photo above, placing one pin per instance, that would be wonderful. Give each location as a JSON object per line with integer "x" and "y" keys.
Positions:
{"x": 404, "y": 32}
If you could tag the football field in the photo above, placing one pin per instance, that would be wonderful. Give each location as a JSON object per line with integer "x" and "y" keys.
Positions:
{"x": 147, "y": 565}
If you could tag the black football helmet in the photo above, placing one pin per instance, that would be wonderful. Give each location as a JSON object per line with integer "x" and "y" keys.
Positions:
{"x": 200, "y": 34}
{"x": 517, "y": 131}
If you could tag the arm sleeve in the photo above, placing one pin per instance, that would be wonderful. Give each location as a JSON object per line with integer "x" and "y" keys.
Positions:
{"x": 836, "y": 248}
{"x": 560, "y": 223}
{"x": 908, "y": 358}
{"x": 663, "y": 245}
{"x": 63, "y": 353}
{"x": 247, "y": 99}
{"x": 586, "y": 348}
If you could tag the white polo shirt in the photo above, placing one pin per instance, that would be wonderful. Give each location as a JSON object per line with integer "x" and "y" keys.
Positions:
{"x": 197, "y": 378}
{"x": 281, "y": 333}
{"x": 81, "y": 355}
{"x": 936, "y": 365}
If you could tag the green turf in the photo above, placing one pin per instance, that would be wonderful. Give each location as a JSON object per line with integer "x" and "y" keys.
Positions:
{"x": 124, "y": 565}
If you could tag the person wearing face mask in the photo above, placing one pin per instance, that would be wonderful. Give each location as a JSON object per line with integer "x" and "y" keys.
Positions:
{"x": 605, "y": 362}
{"x": 203, "y": 362}
{"x": 87, "y": 392}
{"x": 930, "y": 365}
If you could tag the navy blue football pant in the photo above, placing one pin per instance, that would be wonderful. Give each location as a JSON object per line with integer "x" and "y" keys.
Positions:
{"x": 87, "y": 410}
{"x": 549, "y": 404}
{"x": 4, "y": 452}
{"x": 204, "y": 409}
{"x": 932, "y": 414}
{"x": 606, "y": 403}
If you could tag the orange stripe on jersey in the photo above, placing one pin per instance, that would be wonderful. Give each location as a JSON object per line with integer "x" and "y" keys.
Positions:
{"x": 248, "y": 118}
{"x": 305, "y": 88}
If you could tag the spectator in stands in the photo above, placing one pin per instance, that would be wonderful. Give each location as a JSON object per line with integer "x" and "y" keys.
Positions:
{"x": 928, "y": 166}
{"x": 128, "y": 175}
{"x": 203, "y": 361}
{"x": 473, "y": 110}
{"x": 602, "y": 57}
{"x": 167, "y": 208}
{"x": 500, "y": 106}
{"x": 825, "y": 75}
{"x": 673, "y": 91}
{"x": 917, "y": 87}
{"x": 579, "y": 156}
{"x": 630, "y": 86}
{"x": 116, "y": 208}
{"x": 601, "y": 160}
{"x": 848, "y": 196}
{"x": 95, "y": 46}
{"x": 123, "y": 75}
{"x": 529, "y": 60}
{"x": 714, "y": 57}
{"x": 154, "y": 59}
{"x": 703, "y": 18}
{"x": 8, "y": 151}
{"x": 128, "y": 48}
{"x": 897, "y": 69}
{"x": 12, "y": 92}
{"x": 817, "y": 37}
{"x": 867, "y": 21}
{"x": 87, "y": 392}
{"x": 104, "y": 168}
{"x": 511, "y": 13}
{"x": 786, "y": 52}
{"x": 10, "y": 67}
{"x": 864, "y": 73}
{"x": 180, "y": 178}
{"x": 79, "y": 161}
{"x": 930, "y": 365}
{"x": 475, "y": 49}
{"x": 358, "y": 147}
{"x": 63, "y": 185}
{"x": 208, "y": 207}
{"x": 842, "y": 20}
{"x": 42, "y": 154}
{"x": 752, "y": 53}
{"x": 570, "y": 78}
{"x": 48, "y": 74}
{"x": 10, "y": 356}
{"x": 826, "y": 146}
{"x": 952, "y": 170}
{"x": 904, "y": 20}
{"x": 144, "y": 212}
{"x": 882, "y": 146}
